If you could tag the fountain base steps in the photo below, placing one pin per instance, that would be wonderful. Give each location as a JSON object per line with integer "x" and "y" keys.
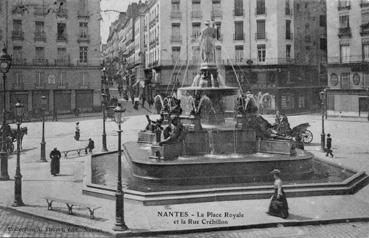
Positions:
{"x": 349, "y": 186}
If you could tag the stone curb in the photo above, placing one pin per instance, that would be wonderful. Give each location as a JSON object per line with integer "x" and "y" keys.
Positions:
{"x": 133, "y": 233}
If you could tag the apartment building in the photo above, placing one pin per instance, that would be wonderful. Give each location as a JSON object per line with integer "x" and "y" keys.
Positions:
{"x": 348, "y": 57}
{"x": 257, "y": 47}
{"x": 56, "y": 53}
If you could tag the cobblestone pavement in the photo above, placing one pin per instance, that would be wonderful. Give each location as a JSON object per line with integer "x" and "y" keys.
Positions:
{"x": 348, "y": 230}
{"x": 15, "y": 224}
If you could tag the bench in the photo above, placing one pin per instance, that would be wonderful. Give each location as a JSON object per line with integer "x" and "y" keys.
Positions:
{"x": 66, "y": 152}
{"x": 70, "y": 204}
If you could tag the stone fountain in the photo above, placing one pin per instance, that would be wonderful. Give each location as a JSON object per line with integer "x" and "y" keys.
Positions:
{"x": 199, "y": 157}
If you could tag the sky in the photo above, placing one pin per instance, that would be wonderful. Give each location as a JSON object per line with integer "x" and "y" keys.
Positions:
{"x": 109, "y": 17}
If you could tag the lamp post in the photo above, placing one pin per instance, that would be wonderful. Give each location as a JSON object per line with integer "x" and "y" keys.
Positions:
{"x": 18, "y": 176}
{"x": 103, "y": 107}
{"x": 367, "y": 101}
{"x": 323, "y": 95}
{"x": 5, "y": 64}
{"x": 43, "y": 143}
{"x": 119, "y": 196}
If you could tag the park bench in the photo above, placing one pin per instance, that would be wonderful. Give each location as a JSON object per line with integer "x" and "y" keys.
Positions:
{"x": 66, "y": 152}
{"x": 70, "y": 204}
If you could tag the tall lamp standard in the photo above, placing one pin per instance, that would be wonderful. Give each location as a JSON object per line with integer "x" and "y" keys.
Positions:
{"x": 5, "y": 64}
{"x": 119, "y": 196}
{"x": 323, "y": 95}
{"x": 43, "y": 143}
{"x": 18, "y": 176}
{"x": 367, "y": 101}
{"x": 103, "y": 104}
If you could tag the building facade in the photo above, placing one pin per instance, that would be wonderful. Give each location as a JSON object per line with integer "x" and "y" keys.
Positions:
{"x": 348, "y": 57}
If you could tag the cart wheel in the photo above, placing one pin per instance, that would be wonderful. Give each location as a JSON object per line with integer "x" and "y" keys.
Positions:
{"x": 307, "y": 137}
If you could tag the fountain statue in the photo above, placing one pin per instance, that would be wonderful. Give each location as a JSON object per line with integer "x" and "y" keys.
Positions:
{"x": 207, "y": 44}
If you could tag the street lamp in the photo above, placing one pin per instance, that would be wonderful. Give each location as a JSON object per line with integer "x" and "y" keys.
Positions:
{"x": 367, "y": 101}
{"x": 18, "y": 176}
{"x": 43, "y": 143}
{"x": 5, "y": 64}
{"x": 323, "y": 95}
{"x": 103, "y": 105}
{"x": 119, "y": 196}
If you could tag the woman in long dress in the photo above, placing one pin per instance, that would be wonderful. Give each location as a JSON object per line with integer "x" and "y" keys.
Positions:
{"x": 278, "y": 204}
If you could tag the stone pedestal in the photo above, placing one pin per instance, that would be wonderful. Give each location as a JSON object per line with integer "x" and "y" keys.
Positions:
{"x": 4, "y": 166}
{"x": 285, "y": 147}
{"x": 166, "y": 152}
{"x": 146, "y": 137}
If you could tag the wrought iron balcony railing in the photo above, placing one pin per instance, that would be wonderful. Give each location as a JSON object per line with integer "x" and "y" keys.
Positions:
{"x": 40, "y": 11}
{"x": 18, "y": 86}
{"x": 364, "y": 29}
{"x": 260, "y": 11}
{"x": 19, "y": 61}
{"x": 239, "y": 36}
{"x": 260, "y": 36}
{"x": 289, "y": 36}
{"x": 63, "y": 61}
{"x": 344, "y": 32}
{"x": 344, "y": 5}
{"x": 238, "y": 12}
{"x": 17, "y": 35}
{"x": 83, "y": 14}
{"x": 83, "y": 38}
{"x": 40, "y": 61}
{"x": 40, "y": 36}
{"x": 61, "y": 38}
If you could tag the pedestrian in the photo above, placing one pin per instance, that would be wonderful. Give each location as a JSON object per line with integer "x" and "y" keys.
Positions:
{"x": 329, "y": 146}
{"x": 278, "y": 202}
{"x": 55, "y": 162}
{"x": 77, "y": 133}
{"x": 90, "y": 146}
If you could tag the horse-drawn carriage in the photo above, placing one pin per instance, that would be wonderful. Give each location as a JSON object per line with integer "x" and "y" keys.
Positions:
{"x": 299, "y": 132}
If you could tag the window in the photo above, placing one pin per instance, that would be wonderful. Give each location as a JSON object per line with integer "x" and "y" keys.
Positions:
{"x": 83, "y": 54}
{"x": 39, "y": 78}
{"x": 62, "y": 78}
{"x": 17, "y": 25}
{"x": 343, "y": 3}
{"x": 39, "y": 27}
{"x": 323, "y": 44}
{"x": 176, "y": 32}
{"x": 84, "y": 78}
{"x": 345, "y": 80}
{"x": 196, "y": 30}
{"x": 345, "y": 53}
{"x": 83, "y": 29}
{"x": 218, "y": 27}
{"x": 260, "y": 7}
{"x": 238, "y": 27}
{"x": 323, "y": 20}
{"x": 216, "y": 4}
{"x": 306, "y": 5}
{"x": 364, "y": 18}
{"x": 301, "y": 101}
{"x": 344, "y": 21}
{"x": 288, "y": 8}
{"x": 17, "y": 53}
{"x": 61, "y": 31}
{"x": 288, "y": 30}
{"x": 62, "y": 53}
{"x": 288, "y": 51}
{"x": 261, "y": 53}
{"x": 176, "y": 53}
{"x": 175, "y": 5}
{"x": 366, "y": 52}
{"x": 40, "y": 53}
{"x": 260, "y": 29}
{"x": 238, "y": 7}
{"x": 239, "y": 53}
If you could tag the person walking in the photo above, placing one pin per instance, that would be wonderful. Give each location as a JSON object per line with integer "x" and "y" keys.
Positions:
{"x": 329, "y": 146}
{"x": 90, "y": 146}
{"x": 55, "y": 156}
{"x": 77, "y": 132}
{"x": 278, "y": 203}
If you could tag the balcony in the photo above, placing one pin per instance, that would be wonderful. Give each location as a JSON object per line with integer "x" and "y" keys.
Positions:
{"x": 84, "y": 85}
{"x": 364, "y": 3}
{"x": 83, "y": 38}
{"x": 40, "y": 61}
{"x": 344, "y": 32}
{"x": 39, "y": 85}
{"x": 344, "y": 5}
{"x": 40, "y": 11}
{"x": 83, "y": 14}
{"x": 82, "y": 63}
{"x": 176, "y": 15}
{"x": 19, "y": 61}
{"x": 61, "y": 38}
{"x": 364, "y": 29}
{"x": 40, "y": 36}
{"x": 289, "y": 36}
{"x": 216, "y": 13}
{"x": 260, "y": 11}
{"x": 238, "y": 12}
{"x": 196, "y": 14}
{"x": 288, "y": 11}
{"x": 260, "y": 36}
{"x": 239, "y": 36}
{"x": 62, "y": 13}
{"x": 63, "y": 61}
{"x": 17, "y": 86}
{"x": 176, "y": 39}
{"x": 18, "y": 35}
{"x": 62, "y": 85}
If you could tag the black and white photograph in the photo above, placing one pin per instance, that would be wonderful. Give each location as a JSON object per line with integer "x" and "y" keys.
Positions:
{"x": 184, "y": 118}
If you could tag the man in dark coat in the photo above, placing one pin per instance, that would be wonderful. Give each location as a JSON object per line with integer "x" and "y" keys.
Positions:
{"x": 90, "y": 146}
{"x": 329, "y": 146}
{"x": 55, "y": 161}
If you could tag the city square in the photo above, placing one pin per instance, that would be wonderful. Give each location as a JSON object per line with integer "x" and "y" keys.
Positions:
{"x": 200, "y": 118}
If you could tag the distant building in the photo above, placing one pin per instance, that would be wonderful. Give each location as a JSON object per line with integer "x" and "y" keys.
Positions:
{"x": 56, "y": 53}
{"x": 348, "y": 57}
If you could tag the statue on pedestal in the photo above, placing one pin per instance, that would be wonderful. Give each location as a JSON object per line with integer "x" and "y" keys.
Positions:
{"x": 207, "y": 43}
